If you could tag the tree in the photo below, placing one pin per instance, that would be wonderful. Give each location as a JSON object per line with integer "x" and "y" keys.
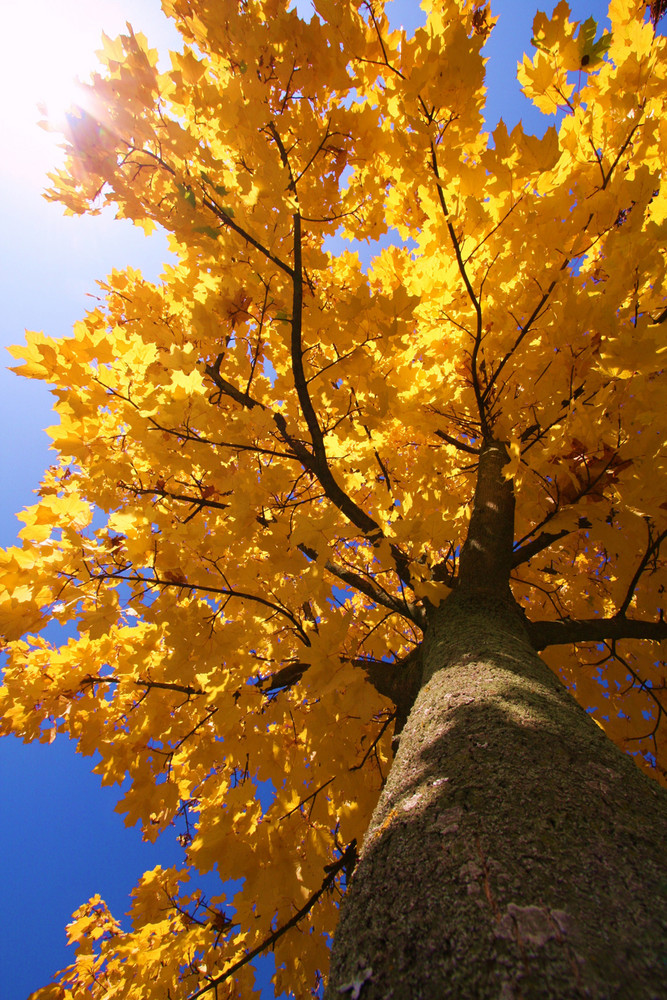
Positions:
{"x": 305, "y": 517}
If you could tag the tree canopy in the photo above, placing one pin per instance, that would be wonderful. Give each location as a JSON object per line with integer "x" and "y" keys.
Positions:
{"x": 266, "y": 461}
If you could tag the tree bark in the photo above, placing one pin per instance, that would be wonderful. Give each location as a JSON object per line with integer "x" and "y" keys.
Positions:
{"x": 515, "y": 852}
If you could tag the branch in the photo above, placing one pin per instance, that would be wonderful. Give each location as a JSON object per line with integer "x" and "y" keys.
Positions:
{"x": 367, "y": 587}
{"x": 607, "y": 177}
{"x": 545, "y": 295}
{"x": 229, "y": 592}
{"x": 586, "y": 488}
{"x": 222, "y": 214}
{"x": 445, "y": 570}
{"x": 569, "y": 630}
{"x": 525, "y": 329}
{"x": 296, "y": 350}
{"x": 243, "y": 398}
{"x": 649, "y": 690}
{"x": 187, "y": 435}
{"x": 286, "y": 677}
{"x": 399, "y": 681}
{"x": 227, "y": 221}
{"x": 296, "y": 346}
{"x": 543, "y": 541}
{"x": 315, "y": 461}
{"x": 318, "y": 464}
{"x": 385, "y": 60}
{"x": 308, "y": 798}
{"x": 91, "y": 680}
{"x": 461, "y": 445}
{"x": 345, "y": 861}
{"x": 373, "y": 747}
{"x": 480, "y": 397}
{"x": 300, "y": 452}
{"x": 197, "y": 502}
{"x": 652, "y": 550}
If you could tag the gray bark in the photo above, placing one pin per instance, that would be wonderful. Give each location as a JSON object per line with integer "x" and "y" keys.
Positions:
{"x": 515, "y": 852}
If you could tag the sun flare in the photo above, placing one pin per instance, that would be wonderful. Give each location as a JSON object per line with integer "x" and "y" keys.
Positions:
{"x": 47, "y": 51}
{"x": 46, "y": 69}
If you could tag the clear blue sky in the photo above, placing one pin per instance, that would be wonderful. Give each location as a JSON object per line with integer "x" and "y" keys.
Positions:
{"x": 60, "y": 840}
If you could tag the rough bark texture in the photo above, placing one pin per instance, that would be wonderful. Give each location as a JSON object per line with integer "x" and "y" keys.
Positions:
{"x": 515, "y": 852}
{"x": 486, "y": 559}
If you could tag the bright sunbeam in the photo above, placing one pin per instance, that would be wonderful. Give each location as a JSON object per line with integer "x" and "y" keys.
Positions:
{"x": 44, "y": 48}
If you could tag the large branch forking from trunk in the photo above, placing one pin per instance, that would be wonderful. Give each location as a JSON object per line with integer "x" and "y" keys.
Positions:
{"x": 543, "y": 541}
{"x": 568, "y": 630}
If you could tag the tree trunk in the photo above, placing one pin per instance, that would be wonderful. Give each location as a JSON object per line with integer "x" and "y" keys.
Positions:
{"x": 515, "y": 852}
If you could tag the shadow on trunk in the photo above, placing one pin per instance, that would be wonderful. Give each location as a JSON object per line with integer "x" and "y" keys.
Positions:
{"x": 515, "y": 851}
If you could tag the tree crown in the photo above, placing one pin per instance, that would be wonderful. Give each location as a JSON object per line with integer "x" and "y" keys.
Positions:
{"x": 266, "y": 462}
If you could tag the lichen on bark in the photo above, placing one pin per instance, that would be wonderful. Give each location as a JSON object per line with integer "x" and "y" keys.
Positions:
{"x": 515, "y": 852}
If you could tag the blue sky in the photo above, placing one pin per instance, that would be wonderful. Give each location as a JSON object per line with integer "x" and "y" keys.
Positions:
{"x": 60, "y": 840}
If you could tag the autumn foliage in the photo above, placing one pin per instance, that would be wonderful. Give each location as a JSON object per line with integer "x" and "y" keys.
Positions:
{"x": 265, "y": 462}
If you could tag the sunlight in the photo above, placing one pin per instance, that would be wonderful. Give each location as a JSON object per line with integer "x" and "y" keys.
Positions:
{"x": 45, "y": 49}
